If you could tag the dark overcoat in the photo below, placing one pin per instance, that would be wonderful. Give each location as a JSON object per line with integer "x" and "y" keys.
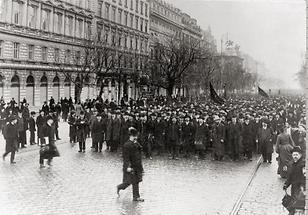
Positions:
{"x": 82, "y": 125}
{"x": 132, "y": 157}
{"x": 98, "y": 130}
{"x": 11, "y": 136}
{"x": 248, "y": 137}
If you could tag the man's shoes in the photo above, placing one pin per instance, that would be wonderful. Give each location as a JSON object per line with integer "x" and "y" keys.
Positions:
{"x": 49, "y": 163}
{"x": 269, "y": 162}
{"x": 250, "y": 159}
{"x": 100, "y": 151}
{"x": 58, "y": 138}
{"x": 42, "y": 166}
{"x": 79, "y": 151}
{"x": 84, "y": 151}
{"x": 138, "y": 200}
{"x": 3, "y": 157}
{"x": 13, "y": 162}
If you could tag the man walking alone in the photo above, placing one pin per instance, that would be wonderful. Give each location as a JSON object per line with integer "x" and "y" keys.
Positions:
{"x": 132, "y": 165}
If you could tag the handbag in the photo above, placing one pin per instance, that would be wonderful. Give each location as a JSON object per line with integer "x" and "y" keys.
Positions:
{"x": 288, "y": 202}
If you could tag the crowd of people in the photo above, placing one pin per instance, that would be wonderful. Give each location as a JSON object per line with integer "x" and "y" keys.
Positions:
{"x": 235, "y": 130}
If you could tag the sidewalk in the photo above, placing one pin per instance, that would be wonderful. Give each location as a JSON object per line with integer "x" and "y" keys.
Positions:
{"x": 265, "y": 193}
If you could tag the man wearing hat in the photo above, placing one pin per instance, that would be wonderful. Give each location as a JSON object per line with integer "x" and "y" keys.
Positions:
{"x": 81, "y": 124}
{"x": 132, "y": 165}
{"x": 40, "y": 122}
{"x": 98, "y": 131}
{"x": 10, "y": 134}
{"x": 296, "y": 177}
{"x": 32, "y": 128}
{"x": 265, "y": 141}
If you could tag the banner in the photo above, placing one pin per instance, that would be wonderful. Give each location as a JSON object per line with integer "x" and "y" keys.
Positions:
{"x": 214, "y": 96}
{"x": 262, "y": 93}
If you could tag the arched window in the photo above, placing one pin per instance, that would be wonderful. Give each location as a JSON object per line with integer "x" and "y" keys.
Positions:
{"x": 44, "y": 81}
{"x": 56, "y": 81}
{"x": 30, "y": 81}
{"x": 67, "y": 82}
{"x": 15, "y": 81}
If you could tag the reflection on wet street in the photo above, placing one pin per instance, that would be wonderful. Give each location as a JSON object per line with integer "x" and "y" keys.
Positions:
{"x": 86, "y": 184}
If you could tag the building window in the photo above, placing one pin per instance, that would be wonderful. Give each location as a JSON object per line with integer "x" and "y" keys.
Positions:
{"x": 146, "y": 9}
{"x": 16, "y": 47}
{"x": 44, "y": 53}
{"x": 125, "y": 18}
{"x": 57, "y": 55}
{"x": 131, "y": 4}
{"x": 137, "y": 23}
{"x": 106, "y": 36}
{"x": 113, "y": 39}
{"x": 100, "y": 10}
{"x": 131, "y": 43}
{"x": 1, "y": 48}
{"x": 59, "y": 23}
{"x": 120, "y": 41}
{"x": 17, "y": 12}
{"x": 120, "y": 17}
{"x": 137, "y": 5}
{"x": 45, "y": 20}
{"x": 120, "y": 2}
{"x": 69, "y": 26}
{"x": 107, "y": 11}
{"x": 146, "y": 27}
{"x": 125, "y": 3}
{"x": 79, "y": 28}
{"x": 31, "y": 52}
{"x": 141, "y": 7}
{"x": 32, "y": 16}
{"x": 141, "y": 45}
{"x": 125, "y": 42}
{"x": 88, "y": 4}
{"x": 88, "y": 30}
{"x": 67, "y": 56}
{"x": 3, "y": 9}
{"x": 136, "y": 43}
{"x": 113, "y": 14}
{"x": 141, "y": 24}
{"x": 131, "y": 21}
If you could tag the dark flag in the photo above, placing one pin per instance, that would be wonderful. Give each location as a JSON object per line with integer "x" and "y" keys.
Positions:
{"x": 262, "y": 93}
{"x": 214, "y": 96}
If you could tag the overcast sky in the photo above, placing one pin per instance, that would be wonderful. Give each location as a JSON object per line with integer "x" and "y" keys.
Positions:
{"x": 271, "y": 31}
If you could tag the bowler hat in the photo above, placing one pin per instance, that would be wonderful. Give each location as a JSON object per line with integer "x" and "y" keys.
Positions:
{"x": 297, "y": 149}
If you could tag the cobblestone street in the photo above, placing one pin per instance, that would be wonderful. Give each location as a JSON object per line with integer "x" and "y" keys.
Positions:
{"x": 85, "y": 184}
{"x": 265, "y": 193}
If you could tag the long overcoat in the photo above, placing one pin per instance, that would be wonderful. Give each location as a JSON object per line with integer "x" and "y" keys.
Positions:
{"x": 11, "y": 136}
{"x": 132, "y": 157}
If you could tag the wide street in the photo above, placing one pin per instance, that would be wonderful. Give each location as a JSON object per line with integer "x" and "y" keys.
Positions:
{"x": 79, "y": 183}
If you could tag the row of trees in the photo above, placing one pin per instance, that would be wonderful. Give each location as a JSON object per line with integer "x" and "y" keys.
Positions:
{"x": 172, "y": 63}
{"x": 193, "y": 65}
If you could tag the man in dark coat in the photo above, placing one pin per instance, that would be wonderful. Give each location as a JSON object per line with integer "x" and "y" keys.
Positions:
{"x": 98, "y": 131}
{"x": 48, "y": 151}
{"x": 132, "y": 165}
{"x": 173, "y": 135}
{"x": 159, "y": 134}
{"x": 248, "y": 138}
{"x": 40, "y": 122}
{"x": 233, "y": 138}
{"x": 72, "y": 129}
{"x": 296, "y": 177}
{"x": 265, "y": 141}
{"x": 81, "y": 124}
{"x": 11, "y": 136}
{"x": 187, "y": 133}
{"x": 32, "y": 128}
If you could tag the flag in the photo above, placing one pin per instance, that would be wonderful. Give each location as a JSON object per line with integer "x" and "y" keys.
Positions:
{"x": 214, "y": 96}
{"x": 262, "y": 93}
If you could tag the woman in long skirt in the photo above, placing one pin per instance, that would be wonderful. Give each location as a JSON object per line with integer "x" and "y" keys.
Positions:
{"x": 284, "y": 146}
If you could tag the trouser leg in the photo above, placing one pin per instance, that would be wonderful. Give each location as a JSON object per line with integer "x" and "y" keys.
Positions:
{"x": 136, "y": 190}
{"x": 32, "y": 135}
{"x": 123, "y": 186}
{"x": 41, "y": 160}
{"x": 5, "y": 154}
{"x": 12, "y": 156}
{"x": 100, "y": 145}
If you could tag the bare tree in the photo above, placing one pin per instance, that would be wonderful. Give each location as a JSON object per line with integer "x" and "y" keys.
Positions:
{"x": 94, "y": 58}
{"x": 171, "y": 60}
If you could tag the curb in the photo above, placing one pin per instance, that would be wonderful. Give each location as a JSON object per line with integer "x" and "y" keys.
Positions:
{"x": 237, "y": 205}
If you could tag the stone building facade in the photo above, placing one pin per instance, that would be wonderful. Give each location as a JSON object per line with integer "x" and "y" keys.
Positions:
{"x": 37, "y": 37}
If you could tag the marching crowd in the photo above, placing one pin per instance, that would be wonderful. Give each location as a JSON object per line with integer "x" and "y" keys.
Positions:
{"x": 235, "y": 130}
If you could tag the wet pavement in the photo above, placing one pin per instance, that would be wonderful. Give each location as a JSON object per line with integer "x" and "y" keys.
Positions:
{"x": 265, "y": 193}
{"x": 84, "y": 183}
